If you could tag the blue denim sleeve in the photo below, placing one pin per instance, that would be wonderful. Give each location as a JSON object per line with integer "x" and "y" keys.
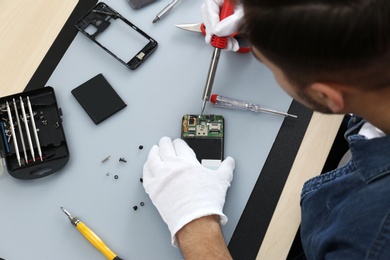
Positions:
{"x": 346, "y": 212}
{"x": 381, "y": 245}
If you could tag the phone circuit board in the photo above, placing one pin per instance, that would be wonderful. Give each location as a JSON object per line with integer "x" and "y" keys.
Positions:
{"x": 205, "y": 135}
{"x": 203, "y": 126}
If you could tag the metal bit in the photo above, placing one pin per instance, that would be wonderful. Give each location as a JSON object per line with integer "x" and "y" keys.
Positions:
{"x": 72, "y": 219}
{"x": 66, "y": 212}
{"x": 13, "y": 134}
{"x": 166, "y": 9}
{"x": 210, "y": 78}
{"x": 20, "y": 132}
{"x": 34, "y": 128}
{"x": 27, "y": 129}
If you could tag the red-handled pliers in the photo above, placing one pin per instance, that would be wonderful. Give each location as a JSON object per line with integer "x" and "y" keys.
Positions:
{"x": 201, "y": 28}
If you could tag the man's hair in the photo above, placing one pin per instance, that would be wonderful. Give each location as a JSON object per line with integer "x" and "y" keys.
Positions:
{"x": 334, "y": 41}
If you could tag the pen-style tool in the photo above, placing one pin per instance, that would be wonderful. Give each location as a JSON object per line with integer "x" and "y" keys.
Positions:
{"x": 27, "y": 129}
{"x": 20, "y": 132}
{"x": 13, "y": 134}
{"x": 218, "y": 43}
{"x": 91, "y": 237}
{"x": 34, "y": 128}
{"x": 166, "y": 9}
{"x": 226, "y": 102}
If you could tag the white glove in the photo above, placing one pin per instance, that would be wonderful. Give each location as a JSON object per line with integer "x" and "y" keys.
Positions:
{"x": 181, "y": 188}
{"x": 210, "y": 11}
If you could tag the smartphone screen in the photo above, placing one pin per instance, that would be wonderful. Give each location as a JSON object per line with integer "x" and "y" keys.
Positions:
{"x": 205, "y": 135}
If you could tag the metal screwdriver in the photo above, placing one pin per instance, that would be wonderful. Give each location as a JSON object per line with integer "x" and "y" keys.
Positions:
{"x": 218, "y": 43}
{"x": 166, "y": 9}
{"x": 91, "y": 237}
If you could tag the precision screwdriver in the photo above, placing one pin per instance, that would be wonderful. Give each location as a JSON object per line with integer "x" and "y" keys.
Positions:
{"x": 226, "y": 102}
{"x": 164, "y": 11}
{"x": 218, "y": 43}
{"x": 91, "y": 237}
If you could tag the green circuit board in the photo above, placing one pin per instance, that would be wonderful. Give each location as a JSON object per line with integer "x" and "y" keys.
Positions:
{"x": 203, "y": 126}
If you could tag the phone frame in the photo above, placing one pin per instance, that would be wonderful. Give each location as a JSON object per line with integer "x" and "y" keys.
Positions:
{"x": 100, "y": 17}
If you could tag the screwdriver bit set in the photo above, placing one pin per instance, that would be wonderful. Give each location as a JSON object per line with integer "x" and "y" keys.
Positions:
{"x": 33, "y": 139}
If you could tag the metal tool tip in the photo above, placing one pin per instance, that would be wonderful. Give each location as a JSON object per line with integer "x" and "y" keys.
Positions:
{"x": 156, "y": 19}
{"x": 203, "y": 107}
{"x": 66, "y": 212}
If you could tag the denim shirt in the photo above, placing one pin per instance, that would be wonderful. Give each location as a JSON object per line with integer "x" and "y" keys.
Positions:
{"x": 346, "y": 212}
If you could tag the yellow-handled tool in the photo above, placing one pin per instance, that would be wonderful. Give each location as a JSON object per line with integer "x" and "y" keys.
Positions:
{"x": 91, "y": 237}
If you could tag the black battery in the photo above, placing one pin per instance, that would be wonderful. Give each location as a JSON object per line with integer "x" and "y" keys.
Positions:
{"x": 33, "y": 142}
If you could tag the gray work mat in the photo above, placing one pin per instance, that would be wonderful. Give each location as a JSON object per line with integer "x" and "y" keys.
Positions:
{"x": 167, "y": 86}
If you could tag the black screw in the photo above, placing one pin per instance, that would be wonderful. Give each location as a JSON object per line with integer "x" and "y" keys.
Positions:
{"x": 116, "y": 177}
{"x": 142, "y": 204}
{"x": 141, "y": 180}
{"x": 122, "y": 160}
{"x": 135, "y": 207}
{"x": 141, "y": 147}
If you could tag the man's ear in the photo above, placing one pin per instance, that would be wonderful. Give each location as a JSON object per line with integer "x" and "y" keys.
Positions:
{"x": 328, "y": 95}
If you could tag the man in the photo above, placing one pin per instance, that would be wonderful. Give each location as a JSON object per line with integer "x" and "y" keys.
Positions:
{"x": 334, "y": 57}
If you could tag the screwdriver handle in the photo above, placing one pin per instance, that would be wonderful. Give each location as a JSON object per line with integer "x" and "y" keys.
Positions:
{"x": 227, "y": 10}
{"x": 96, "y": 241}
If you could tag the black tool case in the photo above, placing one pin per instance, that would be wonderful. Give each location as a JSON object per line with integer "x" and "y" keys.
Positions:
{"x": 33, "y": 141}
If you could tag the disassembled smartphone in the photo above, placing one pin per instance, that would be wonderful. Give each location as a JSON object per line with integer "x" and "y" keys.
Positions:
{"x": 140, "y": 3}
{"x": 123, "y": 40}
{"x": 205, "y": 135}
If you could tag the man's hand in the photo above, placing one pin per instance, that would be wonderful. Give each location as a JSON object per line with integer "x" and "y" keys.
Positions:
{"x": 210, "y": 13}
{"x": 181, "y": 188}
{"x": 203, "y": 239}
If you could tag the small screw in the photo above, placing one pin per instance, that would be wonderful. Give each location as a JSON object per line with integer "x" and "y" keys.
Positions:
{"x": 122, "y": 160}
{"x": 135, "y": 207}
{"x": 141, "y": 180}
{"x": 141, "y": 147}
{"x": 142, "y": 204}
{"x": 108, "y": 174}
{"x": 106, "y": 159}
{"x": 116, "y": 177}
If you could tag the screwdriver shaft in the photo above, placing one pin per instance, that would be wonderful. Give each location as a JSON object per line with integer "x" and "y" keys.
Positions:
{"x": 210, "y": 77}
{"x": 165, "y": 10}
{"x": 13, "y": 134}
{"x": 20, "y": 132}
{"x": 27, "y": 129}
{"x": 34, "y": 128}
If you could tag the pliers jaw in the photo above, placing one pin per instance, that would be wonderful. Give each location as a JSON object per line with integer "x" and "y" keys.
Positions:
{"x": 193, "y": 27}
{"x": 200, "y": 28}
